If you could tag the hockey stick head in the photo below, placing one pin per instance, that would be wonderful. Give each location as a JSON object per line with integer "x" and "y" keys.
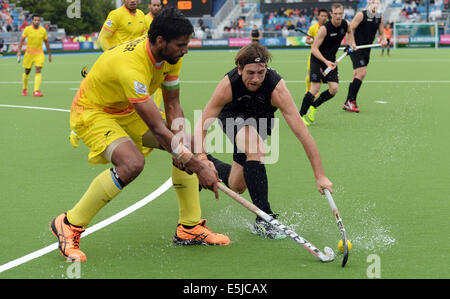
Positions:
{"x": 328, "y": 256}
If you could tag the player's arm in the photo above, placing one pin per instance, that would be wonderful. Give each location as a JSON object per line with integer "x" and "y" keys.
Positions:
{"x": 48, "y": 50}
{"x": 104, "y": 38}
{"x": 350, "y": 37}
{"x": 383, "y": 40}
{"x": 309, "y": 37}
{"x": 317, "y": 43}
{"x": 221, "y": 96}
{"x": 19, "y": 50}
{"x": 150, "y": 114}
{"x": 282, "y": 99}
{"x": 175, "y": 115}
{"x": 108, "y": 29}
{"x": 357, "y": 19}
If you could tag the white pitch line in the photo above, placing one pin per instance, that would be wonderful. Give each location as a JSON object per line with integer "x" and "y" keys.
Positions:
{"x": 34, "y": 108}
{"x": 163, "y": 188}
{"x": 38, "y": 253}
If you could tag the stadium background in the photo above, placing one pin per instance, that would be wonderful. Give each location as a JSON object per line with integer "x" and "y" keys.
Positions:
{"x": 74, "y": 25}
{"x": 389, "y": 164}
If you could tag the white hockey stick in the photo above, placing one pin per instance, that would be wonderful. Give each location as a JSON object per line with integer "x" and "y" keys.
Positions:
{"x": 328, "y": 256}
{"x": 329, "y": 69}
{"x": 339, "y": 223}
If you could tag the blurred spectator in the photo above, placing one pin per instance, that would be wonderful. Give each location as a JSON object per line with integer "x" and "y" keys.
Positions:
{"x": 349, "y": 13}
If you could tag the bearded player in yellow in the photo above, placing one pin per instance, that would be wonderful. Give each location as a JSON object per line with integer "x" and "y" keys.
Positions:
{"x": 115, "y": 117}
{"x": 121, "y": 25}
{"x": 153, "y": 8}
{"x": 35, "y": 36}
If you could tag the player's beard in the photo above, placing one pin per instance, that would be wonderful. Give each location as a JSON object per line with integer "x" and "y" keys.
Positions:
{"x": 170, "y": 59}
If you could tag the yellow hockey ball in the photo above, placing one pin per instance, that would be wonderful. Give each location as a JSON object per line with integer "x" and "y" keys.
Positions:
{"x": 341, "y": 245}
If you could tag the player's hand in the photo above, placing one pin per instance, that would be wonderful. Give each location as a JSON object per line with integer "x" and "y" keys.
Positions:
{"x": 330, "y": 64}
{"x": 178, "y": 164}
{"x": 324, "y": 183}
{"x": 384, "y": 42}
{"x": 350, "y": 49}
{"x": 208, "y": 178}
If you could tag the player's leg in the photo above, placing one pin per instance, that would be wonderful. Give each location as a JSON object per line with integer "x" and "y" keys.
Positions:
{"x": 358, "y": 76}
{"x": 39, "y": 60}
{"x": 333, "y": 83}
{"x": 360, "y": 62}
{"x": 253, "y": 171}
{"x": 25, "y": 78}
{"x": 128, "y": 163}
{"x": 108, "y": 142}
{"x": 307, "y": 80}
{"x": 191, "y": 227}
{"x": 315, "y": 78}
{"x": 326, "y": 95}
{"x": 27, "y": 64}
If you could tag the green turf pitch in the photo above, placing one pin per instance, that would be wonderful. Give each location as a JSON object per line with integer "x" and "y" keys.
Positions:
{"x": 389, "y": 165}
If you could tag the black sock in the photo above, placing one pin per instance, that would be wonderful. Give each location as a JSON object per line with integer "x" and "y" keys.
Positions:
{"x": 257, "y": 185}
{"x": 188, "y": 227}
{"x": 356, "y": 85}
{"x": 117, "y": 178}
{"x": 350, "y": 91}
{"x": 222, "y": 168}
{"x": 66, "y": 221}
{"x": 324, "y": 96}
{"x": 307, "y": 101}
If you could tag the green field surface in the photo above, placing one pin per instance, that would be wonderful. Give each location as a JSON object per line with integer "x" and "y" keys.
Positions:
{"x": 390, "y": 166}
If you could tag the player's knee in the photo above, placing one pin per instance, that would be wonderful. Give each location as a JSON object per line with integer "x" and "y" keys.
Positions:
{"x": 361, "y": 73}
{"x": 27, "y": 71}
{"x": 238, "y": 187}
{"x": 333, "y": 90}
{"x": 133, "y": 167}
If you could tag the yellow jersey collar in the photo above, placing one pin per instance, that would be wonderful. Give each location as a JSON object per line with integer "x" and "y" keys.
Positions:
{"x": 157, "y": 65}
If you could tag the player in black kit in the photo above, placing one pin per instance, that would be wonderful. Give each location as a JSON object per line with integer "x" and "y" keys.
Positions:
{"x": 255, "y": 34}
{"x": 323, "y": 55}
{"x": 245, "y": 101}
{"x": 365, "y": 25}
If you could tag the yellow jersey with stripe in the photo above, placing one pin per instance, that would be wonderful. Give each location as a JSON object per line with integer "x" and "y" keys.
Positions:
{"x": 35, "y": 38}
{"x": 124, "y": 25}
{"x": 124, "y": 75}
{"x": 148, "y": 21}
{"x": 314, "y": 29}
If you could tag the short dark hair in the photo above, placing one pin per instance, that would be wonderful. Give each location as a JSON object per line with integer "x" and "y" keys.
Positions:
{"x": 171, "y": 24}
{"x": 336, "y": 5}
{"x": 35, "y": 15}
{"x": 322, "y": 10}
{"x": 252, "y": 53}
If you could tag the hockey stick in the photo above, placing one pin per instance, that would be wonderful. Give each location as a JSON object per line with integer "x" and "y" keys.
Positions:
{"x": 328, "y": 256}
{"x": 339, "y": 223}
{"x": 347, "y": 52}
{"x": 304, "y": 32}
